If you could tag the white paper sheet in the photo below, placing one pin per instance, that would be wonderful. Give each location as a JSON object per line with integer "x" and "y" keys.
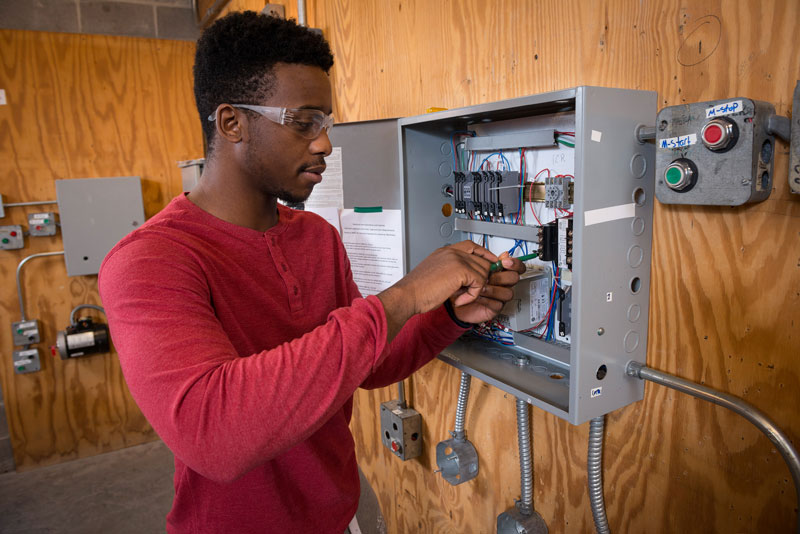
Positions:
{"x": 329, "y": 193}
{"x": 329, "y": 214}
{"x": 374, "y": 244}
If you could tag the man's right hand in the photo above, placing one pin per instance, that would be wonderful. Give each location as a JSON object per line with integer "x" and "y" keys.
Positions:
{"x": 461, "y": 269}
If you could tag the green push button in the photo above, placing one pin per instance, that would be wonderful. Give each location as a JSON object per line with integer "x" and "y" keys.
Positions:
{"x": 5, "y": 240}
{"x": 21, "y": 368}
{"x": 674, "y": 176}
{"x": 19, "y": 331}
{"x": 47, "y": 221}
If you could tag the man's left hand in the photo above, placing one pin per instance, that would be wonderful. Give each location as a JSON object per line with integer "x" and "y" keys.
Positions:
{"x": 494, "y": 295}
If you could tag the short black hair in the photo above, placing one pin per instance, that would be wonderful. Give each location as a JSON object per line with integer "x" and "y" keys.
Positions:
{"x": 236, "y": 55}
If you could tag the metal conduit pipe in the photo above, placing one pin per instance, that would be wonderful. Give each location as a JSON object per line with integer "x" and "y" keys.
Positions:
{"x": 733, "y": 403}
{"x": 19, "y": 272}
{"x": 461, "y": 407}
{"x": 525, "y": 458}
{"x": 82, "y": 306}
{"x": 595, "y": 468}
{"x": 301, "y": 12}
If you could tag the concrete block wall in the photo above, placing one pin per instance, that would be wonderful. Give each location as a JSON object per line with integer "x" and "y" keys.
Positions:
{"x": 158, "y": 19}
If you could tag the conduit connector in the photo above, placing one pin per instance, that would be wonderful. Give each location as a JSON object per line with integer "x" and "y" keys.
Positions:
{"x": 457, "y": 458}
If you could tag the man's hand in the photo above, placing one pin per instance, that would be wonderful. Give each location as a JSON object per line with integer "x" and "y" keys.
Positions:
{"x": 494, "y": 295}
{"x": 458, "y": 272}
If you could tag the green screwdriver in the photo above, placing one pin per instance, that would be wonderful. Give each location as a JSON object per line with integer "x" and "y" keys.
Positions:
{"x": 498, "y": 265}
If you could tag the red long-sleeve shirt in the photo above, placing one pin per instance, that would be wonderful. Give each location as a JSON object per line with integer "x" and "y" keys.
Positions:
{"x": 243, "y": 349}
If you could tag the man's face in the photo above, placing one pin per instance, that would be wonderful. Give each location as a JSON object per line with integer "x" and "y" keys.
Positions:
{"x": 278, "y": 160}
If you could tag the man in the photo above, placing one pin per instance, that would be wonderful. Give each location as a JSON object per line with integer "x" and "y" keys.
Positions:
{"x": 239, "y": 329}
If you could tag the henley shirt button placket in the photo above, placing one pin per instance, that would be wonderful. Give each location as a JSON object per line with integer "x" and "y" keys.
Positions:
{"x": 295, "y": 301}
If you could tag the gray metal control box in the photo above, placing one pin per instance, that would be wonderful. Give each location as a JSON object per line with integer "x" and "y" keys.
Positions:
{"x": 26, "y": 361}
{"x": 42, "y": 224}
{"x": 95, "y": 214}
{"x": 600, "y": 239}
{"x": 25, "y": 332}
{"x": 714, "y": 153}
{"x": 401, "y": 430}
{"x": 11, "y": 237}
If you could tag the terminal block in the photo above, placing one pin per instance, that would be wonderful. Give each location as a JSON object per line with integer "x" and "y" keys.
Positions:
{"x": 486, "y": 193}
{"x": 42, "y": 224}
{"x": 548, "y": 242}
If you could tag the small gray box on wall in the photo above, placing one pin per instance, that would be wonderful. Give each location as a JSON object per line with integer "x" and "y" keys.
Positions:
{"x": 95, "y": 214}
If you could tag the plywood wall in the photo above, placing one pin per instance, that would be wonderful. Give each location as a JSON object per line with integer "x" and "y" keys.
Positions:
{"x": 80, "y": 106}
{"x": 725, "y": 281}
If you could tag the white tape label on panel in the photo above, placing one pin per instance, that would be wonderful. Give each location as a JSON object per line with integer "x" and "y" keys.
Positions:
{"x": 728, "y": 108}
{"x": 678, "y": 142}
{"x": 597, "y": 136}
{"x": 613, "y": 213}
{"x": 596, "y": 392}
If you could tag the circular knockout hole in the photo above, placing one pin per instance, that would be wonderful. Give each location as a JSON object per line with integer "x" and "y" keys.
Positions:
{"x": 86, "y": 258}
{"x": 387, "y": 435}
{"x": 394, "y": 425}
{"x": 766, "y": 151}
{"x": 662, "y": 125}
{"x": 639, "y": 196}
{"x": 765, "y": 181}
{"x": 601, "y": 372}
{"x": 636, "y": 284}
{"x": 447, "y": 210}
{"x": 414, "y": 436}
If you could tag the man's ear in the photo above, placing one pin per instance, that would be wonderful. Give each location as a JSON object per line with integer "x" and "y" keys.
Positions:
{"x": 230, "y": 124}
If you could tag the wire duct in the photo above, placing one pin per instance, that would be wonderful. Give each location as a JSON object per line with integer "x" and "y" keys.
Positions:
{"x": 735, "y": 404}
{"x": 525, "y": 458}
{"x": 461, "y": 407}
{"x": 595, "y": 469}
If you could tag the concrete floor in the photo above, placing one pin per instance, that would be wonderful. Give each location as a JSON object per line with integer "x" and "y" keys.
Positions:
{"x": 125, "y": 492}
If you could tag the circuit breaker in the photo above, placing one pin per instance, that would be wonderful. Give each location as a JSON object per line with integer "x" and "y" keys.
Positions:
{"x": 11, "y": 237}
{"x": 714, "y": 153}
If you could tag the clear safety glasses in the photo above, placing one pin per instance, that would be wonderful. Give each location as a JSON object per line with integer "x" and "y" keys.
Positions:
{"x": 306, "y": 122}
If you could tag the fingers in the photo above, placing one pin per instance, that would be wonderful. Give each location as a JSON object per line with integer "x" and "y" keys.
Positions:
{"x": 470, "y": 247}
{"x": 499, "y": 293}
{"x": 504, "y": 278}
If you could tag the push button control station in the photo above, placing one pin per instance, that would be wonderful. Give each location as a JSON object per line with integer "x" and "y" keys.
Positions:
{"x": 721, "y": 152}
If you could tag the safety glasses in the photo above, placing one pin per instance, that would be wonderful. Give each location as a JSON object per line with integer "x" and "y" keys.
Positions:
{"x": 306, "y": 122}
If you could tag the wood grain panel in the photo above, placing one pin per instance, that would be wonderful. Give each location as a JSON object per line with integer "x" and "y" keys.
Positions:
{"x": 81, "y": 106}
{"x": 725, "y": 281}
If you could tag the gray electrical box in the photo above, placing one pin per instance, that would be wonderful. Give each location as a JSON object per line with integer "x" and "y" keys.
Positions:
{"x": 591, "y": 224}
{"x": 25, "y": 332}
{"x": 11, "y": 237}
{"x": 714, "y": 153}
{"x": 26, "y": 361}
{"x": 42, "y": 224}
{"x": 95, "y": 214}
{"x": 401, "y": 430}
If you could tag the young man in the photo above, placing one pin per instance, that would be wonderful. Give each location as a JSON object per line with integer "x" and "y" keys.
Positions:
{"x": 239, "y": 329}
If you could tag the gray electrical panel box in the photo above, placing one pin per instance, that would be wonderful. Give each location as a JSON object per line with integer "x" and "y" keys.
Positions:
{"x": 26, "y": 361}
{"x": 714, "y": 153}
{"x": 95, "y": 214}
{"x": 401, "y": 430}
{"x": 561, "y": 174}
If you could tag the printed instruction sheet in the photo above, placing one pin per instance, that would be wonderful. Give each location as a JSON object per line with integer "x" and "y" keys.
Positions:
{"x": 374, "y": 244}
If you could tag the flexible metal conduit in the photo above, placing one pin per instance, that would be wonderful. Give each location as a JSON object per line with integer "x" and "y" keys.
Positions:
{"x": 461, "y": 407}
{"x": 525, "y": 457}
{"x": 19, "y": 271}
{"x": 746, "y": 410}
{"x": 82, "y": 306}
{"x": 595, "y": 468}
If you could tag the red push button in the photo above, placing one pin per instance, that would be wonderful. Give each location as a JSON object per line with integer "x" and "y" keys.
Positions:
{"x": 719, "y": 134}
{"x": 13, "y": 234}
{"x": 713, "y": 134}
